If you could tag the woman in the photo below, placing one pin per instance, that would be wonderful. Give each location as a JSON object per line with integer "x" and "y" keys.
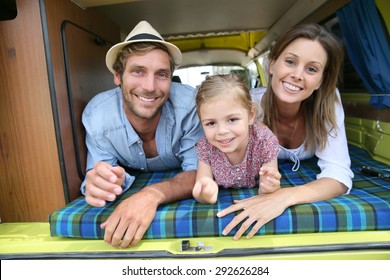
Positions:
{"x": 303, "y": 108}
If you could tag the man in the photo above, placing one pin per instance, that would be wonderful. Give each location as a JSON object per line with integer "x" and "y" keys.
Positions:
{"x": 146, "y": 123}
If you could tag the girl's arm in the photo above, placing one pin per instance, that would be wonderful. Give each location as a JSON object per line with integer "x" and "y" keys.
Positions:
{"x": 205, "y": 189}
{"x": 269, "y": 177}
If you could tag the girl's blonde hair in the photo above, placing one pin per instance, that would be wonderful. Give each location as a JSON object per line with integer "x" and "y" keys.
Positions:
{"x": 223, "y": 85}
{"x": 318, "y": 109}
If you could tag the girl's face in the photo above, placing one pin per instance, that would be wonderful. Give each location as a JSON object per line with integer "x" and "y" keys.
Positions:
{"x": 298, "y": 71}
{"x": 226, "y": 125}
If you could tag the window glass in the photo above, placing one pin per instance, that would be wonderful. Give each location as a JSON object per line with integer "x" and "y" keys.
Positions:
{"x": 194, "y": 76}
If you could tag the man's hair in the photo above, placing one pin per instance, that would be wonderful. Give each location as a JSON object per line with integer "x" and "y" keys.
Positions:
{"x": 138, "y": 48}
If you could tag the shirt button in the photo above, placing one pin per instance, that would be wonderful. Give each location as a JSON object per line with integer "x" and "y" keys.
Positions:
{"x": 237, "y": 169}
{"x": 142, "y": 168}
{"x": 140, "y": 153}
{"x": 239, "y": 178}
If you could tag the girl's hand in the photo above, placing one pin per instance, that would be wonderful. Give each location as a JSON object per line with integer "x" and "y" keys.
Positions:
{"x": 269, "y": 179}
{"x": 205, "y": 190}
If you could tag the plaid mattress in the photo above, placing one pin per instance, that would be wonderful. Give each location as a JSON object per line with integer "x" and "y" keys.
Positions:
{"x": 365, "y": 208}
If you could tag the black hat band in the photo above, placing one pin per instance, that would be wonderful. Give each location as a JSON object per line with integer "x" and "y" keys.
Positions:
{"x": 144, "y": 36}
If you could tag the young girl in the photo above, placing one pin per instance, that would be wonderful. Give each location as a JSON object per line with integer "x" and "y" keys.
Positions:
{"x": 235, "y": 151}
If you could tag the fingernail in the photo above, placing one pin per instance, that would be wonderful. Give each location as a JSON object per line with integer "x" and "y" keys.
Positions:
{"x": 117, "y": 190}
{"x": 224, "y": 232}
{"x": 111, "y": 197}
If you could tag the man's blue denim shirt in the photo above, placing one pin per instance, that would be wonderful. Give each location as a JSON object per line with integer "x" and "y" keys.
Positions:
{"x": 111, "y": 138}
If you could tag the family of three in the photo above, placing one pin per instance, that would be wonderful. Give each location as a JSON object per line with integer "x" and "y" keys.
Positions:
{"x": 221, "y": 135}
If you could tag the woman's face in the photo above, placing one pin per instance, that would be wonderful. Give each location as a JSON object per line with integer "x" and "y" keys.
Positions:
{"x": 298, "y": 71}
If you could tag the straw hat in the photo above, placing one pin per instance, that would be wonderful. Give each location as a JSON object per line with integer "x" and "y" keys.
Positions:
{"x": 142, "y": 32}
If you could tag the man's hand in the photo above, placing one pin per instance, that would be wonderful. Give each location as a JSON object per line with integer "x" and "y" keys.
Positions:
{"x": 132, "y": 217}
{"x": 128, "y": 223}
{"x": 104, "y": 183}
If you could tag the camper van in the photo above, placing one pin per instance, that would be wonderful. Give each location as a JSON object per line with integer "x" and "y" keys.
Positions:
{"x": 52, "y": 59}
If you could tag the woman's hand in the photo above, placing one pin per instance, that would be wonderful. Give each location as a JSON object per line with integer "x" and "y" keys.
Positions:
{"x": 257, "y": 210}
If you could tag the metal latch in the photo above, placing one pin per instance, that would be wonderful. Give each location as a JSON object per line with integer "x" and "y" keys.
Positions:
{"x": 200, "y": 247}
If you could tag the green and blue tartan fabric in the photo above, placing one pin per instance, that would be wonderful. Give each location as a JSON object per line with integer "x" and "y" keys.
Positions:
{"x": 367, "y": 207}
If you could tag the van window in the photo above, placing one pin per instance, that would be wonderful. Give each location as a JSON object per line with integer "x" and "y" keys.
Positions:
{"x": 195, "y": 75}
{"x": 8, "y": 9}
{"x": 259, "y": 68}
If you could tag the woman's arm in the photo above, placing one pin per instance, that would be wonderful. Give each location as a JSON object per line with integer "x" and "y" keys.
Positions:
{"x": 334, "y": 160}
{"x": 260, "y": 209}
{"x": 317, "y": 190}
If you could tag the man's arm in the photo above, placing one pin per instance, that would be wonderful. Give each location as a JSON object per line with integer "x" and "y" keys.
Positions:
{"x": 132, "y": 217}
{"x": 175, "y": 189}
